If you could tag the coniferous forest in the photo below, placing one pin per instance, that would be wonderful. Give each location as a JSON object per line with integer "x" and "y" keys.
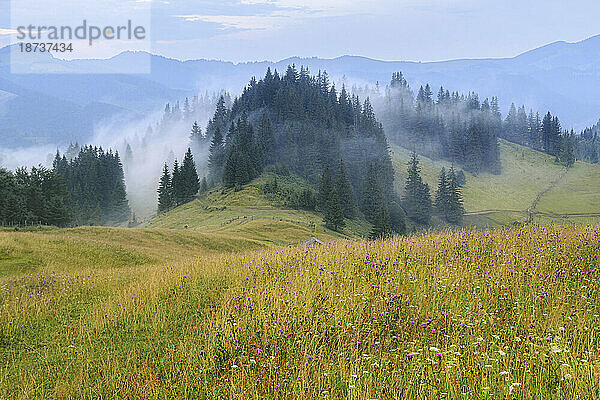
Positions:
{"x": 38, "y": 196}
{"x": 180, "y": 185}
{"x": 451, "y": 126}
{"x": 465, "y": 130}
{"x": 302, "y": 124}
{"x": 95, "y": 182}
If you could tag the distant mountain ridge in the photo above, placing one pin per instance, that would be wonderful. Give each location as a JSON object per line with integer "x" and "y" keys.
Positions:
{"x": 46, "y": 108}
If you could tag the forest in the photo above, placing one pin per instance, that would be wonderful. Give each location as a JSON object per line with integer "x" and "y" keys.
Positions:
{"x": 96, "y": 186}
{"x": 38, "y": 196}
{"x": 300, "y": 123}
{"x": 465, "y": 130}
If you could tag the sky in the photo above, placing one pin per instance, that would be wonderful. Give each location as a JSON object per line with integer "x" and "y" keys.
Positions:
{"x": 416, "y": 30}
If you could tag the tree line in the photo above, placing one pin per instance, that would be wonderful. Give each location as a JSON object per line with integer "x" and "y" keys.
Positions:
{"x": 462, "y": 129}
{"x": 181, "y": 185}
{"x": 545, "y": 135}
{"x": 96, "y": 186}
{"x": 36, "y": 196}
{"x": 451, "y": 126}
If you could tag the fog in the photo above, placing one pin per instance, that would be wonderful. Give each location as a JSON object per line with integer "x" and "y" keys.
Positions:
{"x": 153, "y": 140}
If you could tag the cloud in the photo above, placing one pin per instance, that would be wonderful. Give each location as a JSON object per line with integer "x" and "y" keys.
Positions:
{"x": 4, "y": 31}
{"x": 242, "y": 22}
{"x": 254, "y": 15}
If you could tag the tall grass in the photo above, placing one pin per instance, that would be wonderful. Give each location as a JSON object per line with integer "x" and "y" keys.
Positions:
{"x": 502, "y": 314}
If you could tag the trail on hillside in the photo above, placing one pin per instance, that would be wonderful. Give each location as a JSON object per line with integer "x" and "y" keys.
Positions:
{"x": 531, "y": 210}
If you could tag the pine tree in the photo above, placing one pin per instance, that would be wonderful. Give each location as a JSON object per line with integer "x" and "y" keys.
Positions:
{"x": 231, "y": 168}
{"x": 551, "y": 135}
{"x": 216, "y": 157}
{"x": 325, "y": 188}
{"x": 442, "y": 195}
{"x": 177, "y": 185}
{"x": 118, "y": 208}
{"x": 455, "y": 208}
{"x": 191, "y": 183}
{"x": 334, "y": 217}
{"x": 567, "y": 151}
{"x": 381, "y": 227}
{"x": 196, "y": 136}
{"x": 345, "y": 192}
{"x": 203, "y": 185}
{"x": 372, "y": 193}
{"x": 128, "y": 154}
{"x": 187, "y": 110}
{"x": 417, "y": 199}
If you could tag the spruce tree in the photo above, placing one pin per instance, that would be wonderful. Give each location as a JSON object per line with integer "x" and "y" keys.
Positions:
{"x": 455, "y": 209}
{"x": 326, "y": 185}
{"x": 177, "y": 185}
{"x": 345, "y": 192}
{"x": 417, "y": 199}
{"x": 231, "y": 167}
{"x": 216, "y": 157}
{"x": 165, "y": 191}
{"x": 196, "y": 136}
{"x": 381, "y": 227}
{"x": 334, "y": 216}
{"x": 442, "y": 195}
{"x": 372, "y": 193}
{"x": 191, "y": 183}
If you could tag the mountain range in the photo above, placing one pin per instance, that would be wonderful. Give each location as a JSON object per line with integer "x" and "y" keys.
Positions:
{"x": 37, "y": 109}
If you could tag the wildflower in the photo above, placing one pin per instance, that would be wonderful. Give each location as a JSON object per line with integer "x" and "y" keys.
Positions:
{"x": 411, "y": 355}
{"x": 513, "y": 386}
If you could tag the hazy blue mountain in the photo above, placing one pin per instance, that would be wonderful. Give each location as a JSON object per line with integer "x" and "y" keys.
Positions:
{"x": 560, "y": 77}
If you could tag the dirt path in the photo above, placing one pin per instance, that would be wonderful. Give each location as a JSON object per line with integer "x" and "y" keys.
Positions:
{"x": 531, "y": 210}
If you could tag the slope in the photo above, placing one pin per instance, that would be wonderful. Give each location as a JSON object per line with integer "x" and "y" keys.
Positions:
{"x": 495, "y": 200}
{"x": 249, "y": 214}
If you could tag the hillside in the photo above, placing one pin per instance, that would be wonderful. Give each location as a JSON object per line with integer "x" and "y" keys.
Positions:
{"x": 490, "y": 200}
{"x": 98, "y": 249}
{"x": 249, "y": 214}
{"x": 115, "y": 313}
{"x": 495, "y": 200}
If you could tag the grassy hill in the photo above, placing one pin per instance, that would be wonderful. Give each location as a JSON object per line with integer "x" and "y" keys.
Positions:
{"x": 531, "y": 188}
{"x": 251, "y": 215}
{"x": 495, "y": 200}
{"x": 117, "y": 313}
{"x": 100, "y": 248}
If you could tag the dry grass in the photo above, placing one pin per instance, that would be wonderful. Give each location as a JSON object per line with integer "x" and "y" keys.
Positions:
{"x": 502, "y": 314}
